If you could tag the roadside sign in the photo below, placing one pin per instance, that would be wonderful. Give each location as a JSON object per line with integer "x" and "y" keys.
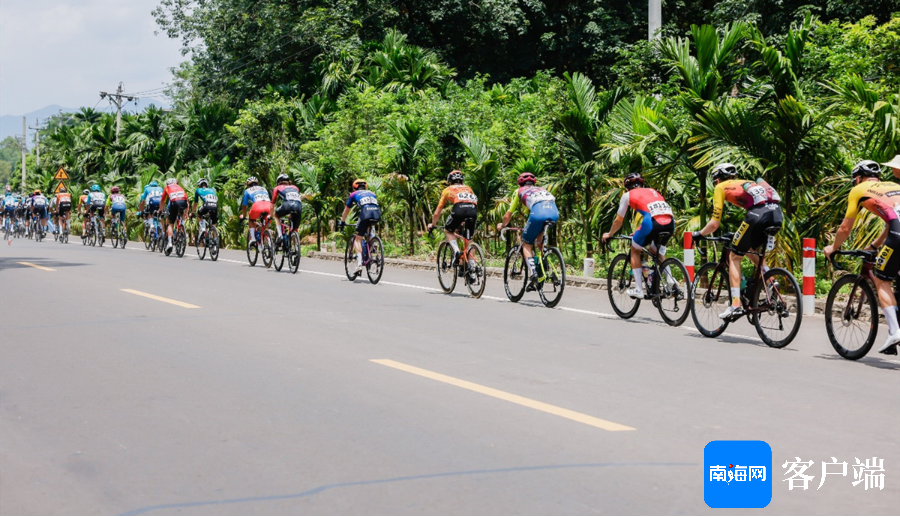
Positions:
{"x": 58, "y": 188}
{"x": 61, "y": 175}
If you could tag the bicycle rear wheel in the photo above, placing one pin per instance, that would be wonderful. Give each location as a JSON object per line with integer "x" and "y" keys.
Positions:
{"x": 202, "y": 244}
{"x": 350, "y": 260}
{"x": 476, "y": 276}
{"x": 375, "y": 267}
{"x": 446, "y": 267}
{"x": 674, "y": 287}
{"x": 618, "y": 281}
{"x": 180, "y": 242}
{"x": 123, "y": 235}
{"x": 280, "y": 252}
{"x": 553, "y": 282}
{"x": 711, "y": 295}
{"x": 213, "y": 243}
{"x": 779, "y": 323}
{"x": 147, "y": 238}
{"x": 115, "y": 236}
{"x": 295, "y": 252}
{"x": 252, "y": 252}
{"x": 851, "y": 317}
{"x": 515, "y": 274}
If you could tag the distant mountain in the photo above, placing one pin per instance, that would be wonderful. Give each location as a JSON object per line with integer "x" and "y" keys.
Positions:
{"x": 11, "y": 125}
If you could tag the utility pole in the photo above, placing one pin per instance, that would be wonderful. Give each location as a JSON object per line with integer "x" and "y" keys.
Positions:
{"x": 118, "y": 99}
{"x": 37, "y": 139}
{"x": 654, "y": 21}
{"x": 24, "y": 151}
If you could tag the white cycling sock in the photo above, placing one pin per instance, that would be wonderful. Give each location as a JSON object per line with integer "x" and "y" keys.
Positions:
{"x": 890, "y": 315}
{"x": 735, "y": 295}
{"x": 278, "y": 227}
{"x": 532, "y": 268}
{"x": 670, "y": 280}
{"x": 359, "y": 259}
{"x": 252, "y": 234}
{"x": 638, "y": 278}
{"x": 454, "y": 245}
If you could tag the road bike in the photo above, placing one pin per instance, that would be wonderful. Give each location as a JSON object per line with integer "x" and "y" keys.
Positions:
{"x": 667, "y": 284}
{"x": 64, "y": 230}
{"x": 851, "y": 309}
{"x": 469, "y": 264}
{"x": 152, "y": 232}
{"x": 98, "y": 232}
{"x": 771, "y": 302}
{"x": 118, "y": 233}
{"x": 288, "y": 247}
{"x": 179, "y": 238}
{"x": 372, "y": 257}
{"x": 8, "y": 227}
{"x": 550, "y": 268}
{"x": 263, "y": 243}
{"x": 207, "y": 239}
{"x": 37, "y": 229}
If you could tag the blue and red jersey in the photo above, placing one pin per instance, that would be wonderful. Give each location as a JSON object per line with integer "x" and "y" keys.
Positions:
{"x": 173, "y": 192}
{"x": 647, "y": 202}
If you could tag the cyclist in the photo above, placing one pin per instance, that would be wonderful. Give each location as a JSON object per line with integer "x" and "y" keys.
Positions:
{"x": 116, "y": 204}
{"x": 256, "y": 200}
{"x": 96, "y": 203}
{"x": 178, "y": 203}
{"x": 463, "y": 215}
{"x": 656, "y": 217}
{"x": 763, "y": 207}
{"x": 369, "y": 215}
{"x": 880, "y": 198}
{"x": 10, "y": 202}
{"x": 39, "y": 205}
{"x": 63, "y": 202}
{"x": 291, "y": 204}
{"x": 210, "y": 202}
{"x": 82, "y": 206}
{"x": 150, "y": 198}
{"x": 27, "y": 213}
{"x": 541, "y": 206}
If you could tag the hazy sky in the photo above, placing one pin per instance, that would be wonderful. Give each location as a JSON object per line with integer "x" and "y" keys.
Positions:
{"x": 66, "y": 51}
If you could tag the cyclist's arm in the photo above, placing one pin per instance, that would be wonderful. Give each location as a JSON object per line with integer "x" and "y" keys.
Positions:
{"x": 440, "y": 207}
{"x": 345, "y": 214}
{"x": 516, "y": 203}
{"x": 718, "y": 207}
{"x": 842, "y": 233}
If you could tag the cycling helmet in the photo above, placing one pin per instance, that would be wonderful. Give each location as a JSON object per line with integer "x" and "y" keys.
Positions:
{"x": 526, "y": 177}
{"x": 63, "y": 189}
{"x": 455, "y": 177}
{"x": 634, "y": 180}
{"x": 282, "y": 177}
{"x": 114, "y": 190}
{"x": 202, "y": 182}
{"x": 359, "y": 183}
{"x": 95, "y": 188}
{"x": 866, "y": 169}
{"x": 724, "y": 171}
{"x": 85, "y": 191}
{"x": 37, "y": 191}
{"x": 252, "y": 181}
{"x": 154, "y": 183}
{"x": 8, "y": 189}
{"x": 171, "y": 181}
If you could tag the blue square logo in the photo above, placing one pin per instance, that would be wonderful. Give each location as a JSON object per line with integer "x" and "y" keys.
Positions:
{"x": 737, "y": 474}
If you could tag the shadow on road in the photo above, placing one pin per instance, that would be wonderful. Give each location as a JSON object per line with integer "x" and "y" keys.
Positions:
{"x": 873, "y": 362}
{"x": 13, "y": 263}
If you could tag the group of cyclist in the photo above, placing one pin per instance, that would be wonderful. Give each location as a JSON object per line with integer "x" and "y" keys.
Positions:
{"x": 655, "y": 224}
{"x": 34, "y": 207}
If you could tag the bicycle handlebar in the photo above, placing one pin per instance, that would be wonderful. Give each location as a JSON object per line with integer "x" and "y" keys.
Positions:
{"x": 508, "y": 229}
{"x": 866, "y": 255}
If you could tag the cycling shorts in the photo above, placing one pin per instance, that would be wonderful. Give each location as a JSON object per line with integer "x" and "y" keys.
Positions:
{"x": 120, "y": 212}
{"x": 209, "y": 211}
{"x": 541, "y": 213}
{"x": 752, "y": 232}
{"x": 9, "y": 210}
{"x": 368, "y": 218}
{"x": 40, "y": 211}
{"x": 294, "y": 209}
{"x": 259, "y": 208}
{"x": 887, "y": 261}
{"x": 64, "y": 208}
{"x": 152, "y": 207}
{"x": 462, "y": 220}
{"x": 649, "y": 232}
{"x": 175, "y": 209}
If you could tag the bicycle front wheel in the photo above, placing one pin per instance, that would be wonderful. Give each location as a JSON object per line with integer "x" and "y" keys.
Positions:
{"x": 280, "y": 252}
{"x": 515, "y": 274}
{"x": 202, "y": 244}
{"x": 295, "y": 252}
{"x": 180, "y": 242}
{"x": 252, "y": 252}
{"x": 115, "y": 237}
{"x": 553, "y": 282}
{"x": 268, "y": 249}
{"x": 618, "y": 281}
{"x": 674, "y": 287}
{"x": 476, "y": 276}
{"x": 123, "y": 236}
{"x": 446, "y": 267}
{"x": 375, "y": 267}
{"x": 212, "y": 240}
{"x": 711, "y": 297}
{"x": 851, "y": 317}
{"x": 781, "y": 301}
{"x": 147, "y": 238}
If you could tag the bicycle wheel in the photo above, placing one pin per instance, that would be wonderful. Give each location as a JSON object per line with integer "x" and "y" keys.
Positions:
{"x": 618, "y": 281}
{"x": 515, "y": 274}
{"x": 851, "y": 317}
{"x": 375, "y": 267}
{"x": 446, "y": 267}
{"x": 280, "y": 253}
{"x": 123, "y": 235}
{"x": 147, "y": 237}
{"x": 252, "y": 251}
{"x": 553, "y": 283}
{"x": 779, "y": 323}
{"x": 180, "y": 242}
{"x": 115, "y": 236}
{"x": 350, "y": 260}
{"x": 212, "y": 236}
{"x": 268, "y": 249}
{"x": 294, "y": 254}
{"x": 202, "y": 245}
{"x": 161, "y": 241}
{"x": 476, "y": 276}
{"x": 674, "y": 288}
{"x": 711, "y": 295}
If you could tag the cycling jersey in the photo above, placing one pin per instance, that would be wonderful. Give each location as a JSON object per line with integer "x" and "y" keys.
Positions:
{"x": 116, "y": 201}
{"x": 541, "y": 206}
{"x": 363, "y": 199}
{"x": 172, "y": 193}
{"x": 369, "y": 211}
{"x": 287, "y": 194}
{"x": 10, "y": 202}
{"x": 152, "y": 194}
{"x": 208, "y": 196}
{"x": 648, "y": 203}
{"x": 64, "y": 198}
{"x": 96, "y": 199}
{"x": 455, "y": 194}
{"x": 882, "y": 198}
{"x": 39, "y": 201}
{"x": 82, "y": 200}
{"x": 255, "y": 194}
{"x": 742, "y": 193}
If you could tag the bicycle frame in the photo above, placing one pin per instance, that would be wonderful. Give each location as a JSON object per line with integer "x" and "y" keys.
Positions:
{"x": 722, "y": 266}
{"x": 538, "y": 249}
{"x": 653, "y": 287}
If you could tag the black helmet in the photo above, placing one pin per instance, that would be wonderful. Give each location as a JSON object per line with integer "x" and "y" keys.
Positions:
{"x": 724, "y": 171}
{"x": 455, "y": 177}
{"x": 634, "y": 180}
{"x": 866, "y": 169}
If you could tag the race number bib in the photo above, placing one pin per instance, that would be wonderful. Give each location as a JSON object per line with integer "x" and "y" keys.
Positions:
{"x": 467, "y": 197}
{"x": 176, "y": 196}
{"x": 758, "y": 193}
{"x": 539, "y": 197}
{"x": 38, "y": 201}
{"x": 292, "y": 195}
{"x": 659, "y": 208}
{"x": 118, "y": 199}
{"x": 210, "y": 200}
{"x": 368, "y": 200}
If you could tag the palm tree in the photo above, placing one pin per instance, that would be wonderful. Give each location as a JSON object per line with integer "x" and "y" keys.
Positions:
{"x": 313, "y": 185}
{"x": 406, "y": 183}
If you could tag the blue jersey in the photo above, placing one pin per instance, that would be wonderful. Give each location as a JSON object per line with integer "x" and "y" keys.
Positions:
{"x": 254, "y": 194}
{"x": 362, "y": 198}
{"x": 10, "y": 201}
{"x": 152, "y": 194}
{"x": 208, "y": 195}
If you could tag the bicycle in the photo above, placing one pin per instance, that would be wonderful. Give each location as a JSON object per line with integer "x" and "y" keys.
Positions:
{"x": 8, "y": 227}
{"x": 669, "y": 297}
{"x": 119, "y": 235}
{"x": 289, "y": 246}
{"x": 208, "y": 235}
{"x": 264, "y": 240}
{"x": 771, "y": 302}
{"x": 450, "y": 267}
{"x": 36, "y": 230}
{"x": 549, "y": 265}
{"x": 851, "y": 309}
{"x": 179, "y": 238}
{"x": 64, "y": 230}
{"x": 372, "y": 257}
{"x": 99, "y": 234}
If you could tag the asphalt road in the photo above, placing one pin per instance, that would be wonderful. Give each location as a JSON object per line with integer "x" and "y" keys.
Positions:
{"x": 259, "y": 392}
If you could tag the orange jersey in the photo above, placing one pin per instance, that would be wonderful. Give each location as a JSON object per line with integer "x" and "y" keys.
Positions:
{"x": 457, "y": 194}
{"x": 63, "y": 197}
